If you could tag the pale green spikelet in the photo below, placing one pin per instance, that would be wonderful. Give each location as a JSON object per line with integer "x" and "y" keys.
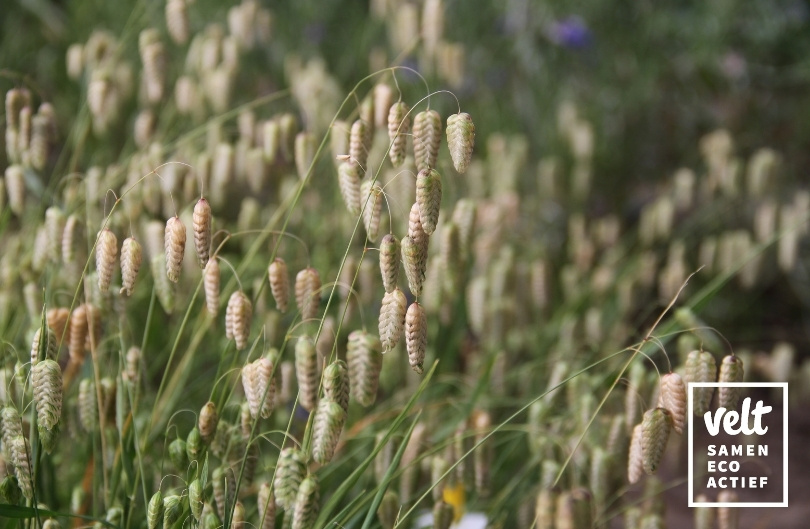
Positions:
{"x": 544, "y": 508}
{"x": 224, "y": 485}
{"x": 392, "y": 318}
{"x": 307, "y": 503}
{"x": 163, "y": 287}
{"x": 328, "y": 424}
{"x": 172, "y": 510}
{"x": 700, "y": 367}
{"x": 88, "y": 406}
{"x": 10, "y": 492}
{"x": 46, "y": 379}
{"x": 460, "y": 140}
{"x": 655, "y": 428}
{"x": 49, "y": 437}
{"x": 388, "y": 510}
{"x": 194, "y": 445}
{"x": 427, "y": 136}
{"x": 290, "y": 471}
{"x": 414, "y": 259}
{"x": 336, "y": 383}
{"x": 195, "y": 499}
{"x": 178, "y": 455}
{"x": 11, "y": 428}
{"x": 399, "y": 125}
{"x": 349, "y": 184}
{"x": 364, "y": 361}
{"x": 306, "y": 371}
{"x": 389, "y": 261}
{"x": 731, "y": 370}
{"x": 429, "y": 198}
{"x": 154, "y": 511}
{"x": 21, "y": 454}
{"x": 46, "y": 349}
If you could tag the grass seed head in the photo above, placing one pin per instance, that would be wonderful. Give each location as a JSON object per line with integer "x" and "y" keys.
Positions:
{"x": 349, "y": 184}
{"x": 414, "y": 259}
{"x": 290, "y": 470}
{"x": 731, "y": 370}
{"x": 460, "y": 140}
{"x": 701, "y": 367}
{"x": 389, "y": 261}
{"x": 307, "y": 503}
{"x": 178, "y": 25}
{"x": 238, "y": 316}
{"x": 365, "y": 361}
{"x": 201, "y": 224}
{"x": 306, "y": 371}
{"x": 211, "y": 283}
{"x": 383, "y": 99}
{"x": 635, "y": 457}
{"x": 392, "y": 318}
{"x": 106, "y": 252}
{"x": 359, "y": 144}
{"x": 279, "y": 279}
{"x": 260, "y": 387}
{"x": 21, "y": 451}
{"x": 46, "y": 379}
{"x": 49, "y": 346}
{"x": 655, "y": 428}
{"x": 266, "y": 501}
{"x": 54, "y": 227}
{"x": 429, "y": 198}
{"x": 175, "y": 245}
{"x": 416, "y": 336}
{"x": 371, "y": 202}
{"x": 178, "y": 454}
{"x": 336, "y": 383}
{"x": 399, "y": 125}
{"x": 57, "y": 319}
{"x": 207, "y": 422}
{"x": 328, "y": 424}
{"x": 154, "y": 511}
{"x": 15, "y": 188}
{"x": 172, "y": 510}
{"x": 131, "y": 257}
{"x": 305, "y": 147}
{"x": 427, "y": 136}
{"x": 307, "y": 292}
{"x": 164, "y": 288}
{"x": 194, "y": 445}
{"x": 672, "y": 396}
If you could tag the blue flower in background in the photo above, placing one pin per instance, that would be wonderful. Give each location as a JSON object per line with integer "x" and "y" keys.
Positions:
{"x": 570, "y": 32}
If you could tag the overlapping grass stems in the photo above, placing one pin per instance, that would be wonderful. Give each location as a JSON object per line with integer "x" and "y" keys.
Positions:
{"x": 160, "y": 437}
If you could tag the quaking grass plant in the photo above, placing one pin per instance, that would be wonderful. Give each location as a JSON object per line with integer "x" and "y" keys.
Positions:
{"x": 506, "y": 372}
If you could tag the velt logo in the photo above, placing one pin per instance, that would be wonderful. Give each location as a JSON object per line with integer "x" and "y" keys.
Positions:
{"x": 741, "y": 451}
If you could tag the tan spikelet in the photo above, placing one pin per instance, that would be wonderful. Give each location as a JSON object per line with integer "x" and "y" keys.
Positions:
{"x": 306, "y": 371}
{"x": 700, "y": 367}
{"x": 371, "y": 202}
{"x": 15, "y": 188}
{"x": 211, "y": 283}
{"x": 655, "y": 427}
{"x": 414, "y": 260}
{"x": 78, "y": 334}
{"x": 359, "y": 144}
{"x": 50, "y": 345}
{"x": 238, "y": 316}
{"x": 392, "y": 318}
{"x": 383, "y": 99}
{"x": 57, "y": 318}
{"x": 131, "y": 258}
{"x": 106, "y": 252}
{"x": 207, "y": 422}
{"x": 201, "y": 223}
{"x": 54, "y": 227}
{"x": 399, "y": 125}
{"x": 429, "y": 198}
{"x": 364, "y": 361}
{"x": 416, "y": 336}
{"x": 266, "y": 501}
{"x": 177, "y": 21}
{"x": 260, "y": 387}
{"x": 415, "y": 230}
{"x": 672, "y": 396}
{"x": 279, "y": 279}
{"x": 175, "y": 245}
{"x": 307, "y": 292}
{"x": 460, "y": 140}
{"x": 731, "y": 370}
{"x": 349, "y": 183}
{"x": 389, "y": 262}
{"x": 427, "y": 136}
{"x": 305, "y": 146}
{"x": 70, "y": 236}
{"x": 635, "y": 457}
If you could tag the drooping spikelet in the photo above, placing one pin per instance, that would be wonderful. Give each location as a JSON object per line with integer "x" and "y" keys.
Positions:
{"x": 672, "y": 396}
{"x": 175, "y": 245}
{"x": 163, "y": 287}
{"x": 416, "y": 231}
{"x": 336, "y": 383}
{"x": 11, "y": 427}
{"x": 427, "y": 136}
{"x": 46, "y": 378}
{"x": 49, "y": 346}
{"x": 307, "y": 295}
{"x": 399, "y": 125}
{"x": 207, "y": 422}
{"x": 131, "y": 258}
{"x": 224, "y": 485}
{"x": 279, "y": 279}
{"x": 21, "y": 457}
{"x": 266, "y": 501}
{"x": 371, "y": 202}
{"x": 701, "y": 367}
{"x": 414, "y": 259}
{"x": 201, "y": 223}
{"x": 238, "y": 316}
{"x": 238, "y": 518}
{"x": 88, "y": 409}
{"x": 328, "y": 424}
{"x": 307, "y": 503}
{"x": 731, "y": 370}
{"x": 106, "y": 252}
{"x": 211, "y": 283}
{"x": 54, "y": 227}
{"x": 70, "y": 235}
{"x": 349, "y": 183}
{"x": 260, "y": 387}
{"x": 290, "y": 471}
{"x": 57, "y": 318}
{"x": 635, "y": 457}
{"x": 429, "y": 198}
{"x": 359, "y": 144}
{"x": 154, "y": 510}
{"x": 365, "y": 361}
{"x": 655, "y": 427}
{"x": 460, "y": 139}
{"x": 194, "y": 445}
{"x": 178, "y": 454}
{"x": 416, "y": 336}
{"x": 305, "y": 146}
{"x": 306, "y": 371}
{"x": 15, "y": 187}
{"x": 392, "y": 318}
{"x": 177, "y": 24}
{"x": 389, "y": 261}
{"x": 78, "y": 333}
